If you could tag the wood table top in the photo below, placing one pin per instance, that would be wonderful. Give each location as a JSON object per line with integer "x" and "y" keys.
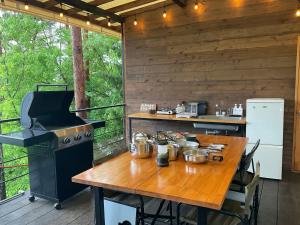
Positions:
{"x": 203, "y": 185}
{"x": 204, "y": 119}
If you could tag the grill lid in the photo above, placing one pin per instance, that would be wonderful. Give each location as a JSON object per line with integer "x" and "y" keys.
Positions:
{"x": 45, "y": 104}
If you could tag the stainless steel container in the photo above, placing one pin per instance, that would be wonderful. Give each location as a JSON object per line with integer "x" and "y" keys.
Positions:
{"x": 141, "y": 149}
{"x": 200, "y": 156}
{"x": 173, "y": 150}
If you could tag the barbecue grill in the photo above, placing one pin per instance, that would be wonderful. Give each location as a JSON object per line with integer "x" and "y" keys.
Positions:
{"x": 59, "y": 143}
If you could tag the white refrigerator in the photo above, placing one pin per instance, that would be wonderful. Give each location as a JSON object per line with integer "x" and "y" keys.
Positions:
{"x": 265, "y": 118}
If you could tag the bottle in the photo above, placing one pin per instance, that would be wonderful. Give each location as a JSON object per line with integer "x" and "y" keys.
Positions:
{"x": 217, "y": 110}
{"x": 240, "y": 110}
{"x": 235, "y": 109}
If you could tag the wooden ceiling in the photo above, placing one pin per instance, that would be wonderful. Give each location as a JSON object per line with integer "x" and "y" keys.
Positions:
{"x": 98, "y": 12}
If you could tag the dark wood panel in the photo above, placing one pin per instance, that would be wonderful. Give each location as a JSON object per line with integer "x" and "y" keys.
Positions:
{"x": 224, "y": 53}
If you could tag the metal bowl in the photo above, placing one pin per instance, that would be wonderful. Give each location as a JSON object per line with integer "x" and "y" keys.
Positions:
{"x": 195, "y": 156}
{"x": 200, "y": 156}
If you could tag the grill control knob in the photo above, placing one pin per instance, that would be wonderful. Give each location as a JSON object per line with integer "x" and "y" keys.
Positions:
{"x": 88, "y": 134}
{"x": 77, "y": 137}
{"x": 66, "y": 140}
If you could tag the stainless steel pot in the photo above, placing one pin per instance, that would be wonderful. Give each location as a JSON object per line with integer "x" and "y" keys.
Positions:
{"x": 141, "y": 149}
{"x": 200, "y": 156}
{"x": 173, "y": 150}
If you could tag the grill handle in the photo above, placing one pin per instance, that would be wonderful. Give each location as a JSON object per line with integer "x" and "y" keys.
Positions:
{"x": 51, "y": 85}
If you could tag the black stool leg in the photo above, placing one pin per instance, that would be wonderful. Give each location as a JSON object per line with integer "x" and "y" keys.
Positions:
{"x": 158, "y": 211}
{"x": 178, "y": 213}
{"x": 171, "y": 212}
{"x": 142, "y": 210}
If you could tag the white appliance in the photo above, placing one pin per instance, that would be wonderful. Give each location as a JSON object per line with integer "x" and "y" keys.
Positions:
{"x": 116, "y": 213}
{"x": 264, "y": 118}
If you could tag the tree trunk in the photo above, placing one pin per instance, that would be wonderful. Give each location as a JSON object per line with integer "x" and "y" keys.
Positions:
{"x": 87, "y": 66}
{"x": 79, "y": 71}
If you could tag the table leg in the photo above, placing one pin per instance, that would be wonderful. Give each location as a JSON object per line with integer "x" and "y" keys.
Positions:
{"x": 99, "y": 206}
{"x": 201, "y": 216}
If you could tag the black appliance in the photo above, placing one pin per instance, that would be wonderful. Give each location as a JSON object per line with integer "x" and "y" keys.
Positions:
{"x": 202, "y": 108}
{"x": 59, "y": 143}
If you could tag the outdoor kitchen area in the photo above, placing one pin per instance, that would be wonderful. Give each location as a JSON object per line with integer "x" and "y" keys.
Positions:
{"x": 149, "y": 112}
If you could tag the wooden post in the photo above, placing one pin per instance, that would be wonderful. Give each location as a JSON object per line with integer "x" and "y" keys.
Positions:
{"x": 79, "y": 71}
{"x": 2, "y": 177}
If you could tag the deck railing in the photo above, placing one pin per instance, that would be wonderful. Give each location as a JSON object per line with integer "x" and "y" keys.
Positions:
{"x": 108, "y": 141}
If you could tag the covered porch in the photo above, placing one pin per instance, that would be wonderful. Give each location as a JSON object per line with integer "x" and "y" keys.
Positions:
{"x": 220, "y": 53}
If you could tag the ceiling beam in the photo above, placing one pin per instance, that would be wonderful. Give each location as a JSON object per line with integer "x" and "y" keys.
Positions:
{"x": 129, "y": 5}
{"x": 181, "y": 3}
{"x": 93, "y": 9}
{"x": 143, "y": 10}
{"x": 94, "y": 3}
{"x": 76, "y": 16}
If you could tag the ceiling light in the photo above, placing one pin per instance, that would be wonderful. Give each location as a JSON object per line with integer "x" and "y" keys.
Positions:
{"x": 165, "y": 14}
{"x": 196, "y": 6}
{"x": 26, "y": 6}
{"x": 88, "y": 22}
{"x": 298, "y": 12}
{"x": 135, "y": 22}
{"x": 109, "y": 22}
{"x": 61, "y": 15}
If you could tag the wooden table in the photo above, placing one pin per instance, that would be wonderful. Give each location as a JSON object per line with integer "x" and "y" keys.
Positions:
{"x": 241, "y": 122}
{"x": 202, "y": 185}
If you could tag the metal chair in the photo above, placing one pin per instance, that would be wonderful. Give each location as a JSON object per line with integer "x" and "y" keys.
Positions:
{"x": 243, "y": 177}
{"x": 238, "y": 208}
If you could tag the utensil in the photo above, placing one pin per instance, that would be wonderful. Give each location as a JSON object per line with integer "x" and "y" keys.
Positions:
{"x": 141, "y": 149}
{"x": 200, "y": 156}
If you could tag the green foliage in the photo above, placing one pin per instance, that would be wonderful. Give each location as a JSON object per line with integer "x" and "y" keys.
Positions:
{"x": 38, "y": 51}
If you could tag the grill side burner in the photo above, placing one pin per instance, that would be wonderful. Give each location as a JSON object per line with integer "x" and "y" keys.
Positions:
{"x": 60, "y": 144}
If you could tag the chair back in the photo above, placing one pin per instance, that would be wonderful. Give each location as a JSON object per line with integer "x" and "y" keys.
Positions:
{"x": 246, "y": 161}
{"x": 250, "y": 190}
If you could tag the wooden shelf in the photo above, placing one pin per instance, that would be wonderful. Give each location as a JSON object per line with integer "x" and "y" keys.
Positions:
{"x": 224, "y": 120}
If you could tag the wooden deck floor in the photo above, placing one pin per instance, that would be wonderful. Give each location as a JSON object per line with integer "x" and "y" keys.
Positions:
{"x": 280, "y": 205}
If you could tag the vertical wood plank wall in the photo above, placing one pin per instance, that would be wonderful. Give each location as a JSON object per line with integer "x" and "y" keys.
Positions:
{"x": 226, "y": 52}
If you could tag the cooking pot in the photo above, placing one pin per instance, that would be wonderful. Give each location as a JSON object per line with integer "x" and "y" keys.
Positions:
{"x": 200, "y": 156}
{"x": 173, "y": 150}
{"x": 139, "y": 136}
{"x": 141, "y": 149}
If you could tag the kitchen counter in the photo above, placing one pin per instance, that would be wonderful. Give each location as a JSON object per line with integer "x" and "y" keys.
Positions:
{"x": 200, "y": 119}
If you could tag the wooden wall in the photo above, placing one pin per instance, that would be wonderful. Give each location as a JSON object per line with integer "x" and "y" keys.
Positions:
{"x": 225, "y": 53}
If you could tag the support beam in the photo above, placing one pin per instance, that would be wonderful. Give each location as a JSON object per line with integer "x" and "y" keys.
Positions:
{"x": 93, "y": 9}
{"x": 94, "y": 3}
{"x": 181, "y": 3}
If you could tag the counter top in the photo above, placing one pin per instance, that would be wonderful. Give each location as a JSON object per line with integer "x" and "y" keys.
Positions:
{"x": 200, "y": 119}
